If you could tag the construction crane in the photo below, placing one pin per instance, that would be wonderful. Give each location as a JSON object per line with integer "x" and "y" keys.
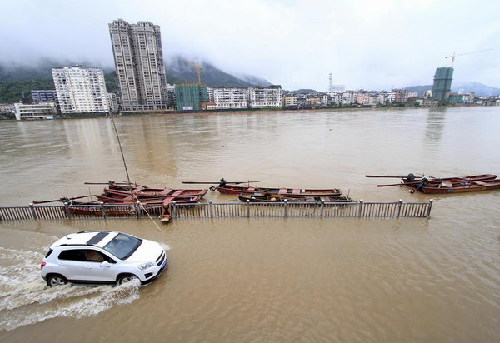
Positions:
{"x": 465, "y": 53}
{"x": 198, "y": 69}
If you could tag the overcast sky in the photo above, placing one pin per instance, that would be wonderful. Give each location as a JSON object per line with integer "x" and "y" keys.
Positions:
{"x": 372, "y": 44}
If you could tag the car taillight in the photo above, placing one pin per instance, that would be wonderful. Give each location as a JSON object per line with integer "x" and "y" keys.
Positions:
{"x": 43, "y": 264}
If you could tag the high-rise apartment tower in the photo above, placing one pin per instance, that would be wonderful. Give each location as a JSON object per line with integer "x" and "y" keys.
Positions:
{"x": 442, "y": 83}
{"x": 138, "y": 56}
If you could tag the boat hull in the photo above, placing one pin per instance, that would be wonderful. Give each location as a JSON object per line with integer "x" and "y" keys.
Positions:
{"x": 311, "y": 199}
{"x": 289, "y": 192}
{"x": 477, "y": 186}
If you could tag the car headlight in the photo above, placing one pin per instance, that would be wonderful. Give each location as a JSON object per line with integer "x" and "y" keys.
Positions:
{"x": 146, "y": 266}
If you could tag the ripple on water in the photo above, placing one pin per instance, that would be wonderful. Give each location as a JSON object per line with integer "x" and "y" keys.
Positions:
{"x": 25, "y": 299}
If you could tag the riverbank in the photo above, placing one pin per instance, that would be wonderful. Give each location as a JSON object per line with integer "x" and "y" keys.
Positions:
{"x": 9, "y": 117}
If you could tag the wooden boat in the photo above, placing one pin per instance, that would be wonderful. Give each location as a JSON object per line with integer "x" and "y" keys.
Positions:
{"x": 152, "y": 195}
{"x": 182, "y": 197}
{"x": 469, "y": 178}
{"x": 291, "y": 192}
{"x": 94, "y": 208}
{"x": 449, "y": 187}
{"x": 416, "y": 181}
{"x": 123, "y": 186}
{"x": 271, "y": 198}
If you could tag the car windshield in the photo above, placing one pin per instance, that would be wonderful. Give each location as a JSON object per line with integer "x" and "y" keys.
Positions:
{"x": 122, "y": 245}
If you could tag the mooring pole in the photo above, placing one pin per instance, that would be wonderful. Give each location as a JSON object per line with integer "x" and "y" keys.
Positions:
{"x": 399, "y": 207}
{"x": 429, "y": 208}
{"x": 66, "y": 210}
{"x": 103, "y": 210}
{"x": 174, "y": 209}
{"x": 33, "y": 213}
{"x": 360, "y": 207}
{"x": 137, "y": 206}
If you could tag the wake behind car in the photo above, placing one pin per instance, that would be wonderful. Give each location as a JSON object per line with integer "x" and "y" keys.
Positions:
{"x": 102, "y": 257}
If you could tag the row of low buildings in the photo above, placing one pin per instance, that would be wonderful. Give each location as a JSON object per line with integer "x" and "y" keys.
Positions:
{"x": 87, "y": 98}
{"x": 348, "y": 98}
{"x": 196, "y": 97}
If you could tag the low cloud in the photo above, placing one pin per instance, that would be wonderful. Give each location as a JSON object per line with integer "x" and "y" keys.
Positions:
{"x": 365, "y": 44}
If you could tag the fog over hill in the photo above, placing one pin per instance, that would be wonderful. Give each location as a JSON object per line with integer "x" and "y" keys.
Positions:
{"x": 17, "y": 80}
{"x": 180, "y": 70}
{"x": 478, "y": 88}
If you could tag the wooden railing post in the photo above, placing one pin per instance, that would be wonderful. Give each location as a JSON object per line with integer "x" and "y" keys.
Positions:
{"x": 429, "y": 208}
{"x": 360, "y": 207}
{"x": 103, "y": 210}
{"x": 33, "y": 213}
{"x": 173, "y": 213}
{"x": 137, "y": 206}
{"x": 400, "y": 205}
{"x": 66, "y": 210}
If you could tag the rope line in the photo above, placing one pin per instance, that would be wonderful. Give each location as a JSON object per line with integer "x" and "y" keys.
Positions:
{"x": 128, "y": 178}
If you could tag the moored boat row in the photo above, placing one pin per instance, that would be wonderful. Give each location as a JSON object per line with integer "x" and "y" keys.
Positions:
{"x": 445, "y": 185}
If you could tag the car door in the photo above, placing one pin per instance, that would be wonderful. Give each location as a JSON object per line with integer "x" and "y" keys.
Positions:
{"x": 71, "y": 264}
{"x": 98, "y": 266}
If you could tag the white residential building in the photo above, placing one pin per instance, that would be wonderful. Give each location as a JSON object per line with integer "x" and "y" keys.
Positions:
{"x": 43, "y": 110}
{"x": 229, "y": 97}
{"x": 335, "y": 98}
{"x": 349, "y": 97}
{"x": 261, "y": 97}
{"x": 80, "y": 90}
{"x": 390, "y": 97}
{"x": 382, "y": 99}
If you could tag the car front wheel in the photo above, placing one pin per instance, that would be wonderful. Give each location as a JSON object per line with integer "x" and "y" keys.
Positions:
{"x": 126, "y": 278}
{"x": 56, "y": 280}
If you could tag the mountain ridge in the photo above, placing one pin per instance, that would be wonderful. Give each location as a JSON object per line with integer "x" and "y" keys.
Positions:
{"x": 478, "y": 88}
{"x": 17, "y": 80}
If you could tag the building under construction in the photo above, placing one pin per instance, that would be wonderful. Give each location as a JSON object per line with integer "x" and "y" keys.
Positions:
{"x": 190, "y": 96}
{"x": 442, "y": 84}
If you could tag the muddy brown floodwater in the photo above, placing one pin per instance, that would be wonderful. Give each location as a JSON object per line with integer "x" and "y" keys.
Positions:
{"x": 264, "y": 280}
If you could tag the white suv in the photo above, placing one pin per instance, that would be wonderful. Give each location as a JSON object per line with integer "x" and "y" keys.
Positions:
{"x": 102, "y": 257}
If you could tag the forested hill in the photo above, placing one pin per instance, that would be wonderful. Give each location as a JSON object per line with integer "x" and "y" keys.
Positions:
{"x": 478, "y": 88}
{"x": 180, "y": 70}
{"x": 17, "y": 81}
